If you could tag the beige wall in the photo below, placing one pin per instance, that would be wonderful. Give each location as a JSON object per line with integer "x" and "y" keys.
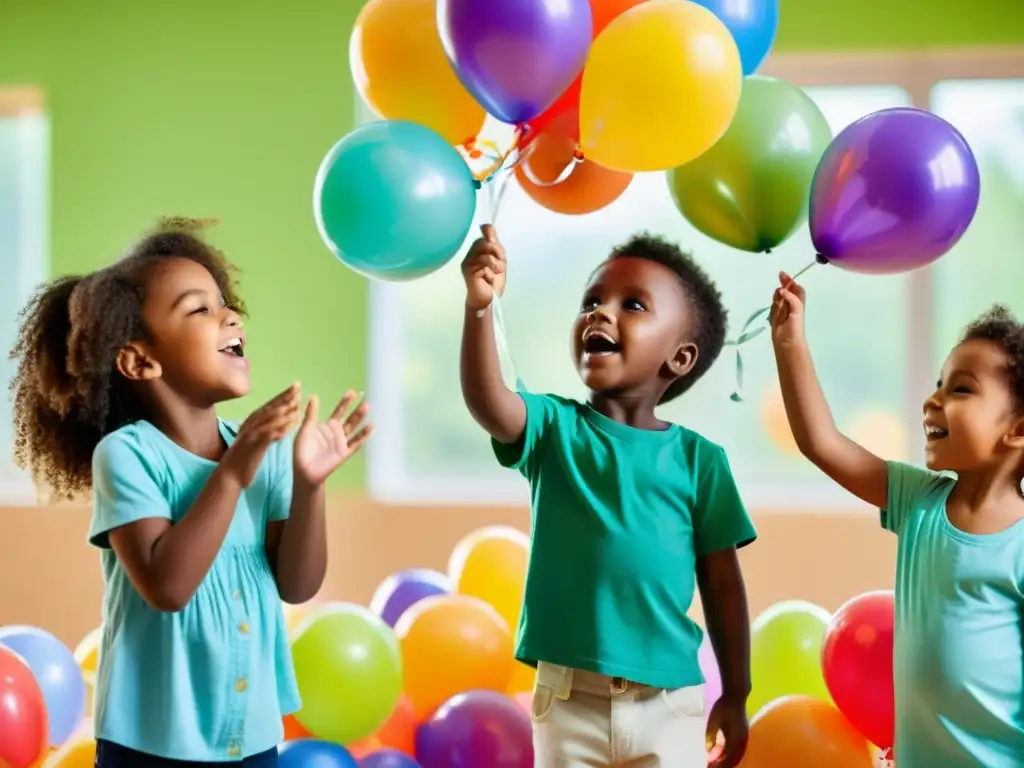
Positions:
{"x": 51, "y": 578}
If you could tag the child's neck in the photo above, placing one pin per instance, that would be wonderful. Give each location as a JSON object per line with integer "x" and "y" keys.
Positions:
{"x": 194, "y": 429}
{"x": 632, "y": 410}
{"x": 987, "y": 500}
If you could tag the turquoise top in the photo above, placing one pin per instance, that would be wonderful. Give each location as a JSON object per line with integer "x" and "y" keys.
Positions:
{"x": 212, "y": 681}
{"x": 619, "y": 518}
{"x": 959, "y": 656}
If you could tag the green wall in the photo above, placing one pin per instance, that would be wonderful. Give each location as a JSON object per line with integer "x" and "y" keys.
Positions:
{"x": 224, "y": 108}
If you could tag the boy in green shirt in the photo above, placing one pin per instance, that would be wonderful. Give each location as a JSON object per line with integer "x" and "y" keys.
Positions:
{"x": 629, "y": 513}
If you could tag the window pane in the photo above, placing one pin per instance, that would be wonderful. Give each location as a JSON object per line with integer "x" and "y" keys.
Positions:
{"x": 22, "y": 195}
{"x": 986, "y": 265}
{"x": 856, "y": 325}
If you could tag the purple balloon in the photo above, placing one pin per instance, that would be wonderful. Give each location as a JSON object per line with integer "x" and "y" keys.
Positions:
{"x": 712, "y": 677}
{"x": 476, "y": 729}
{"x": 388, "y": 758}
{"x": 515, "y": 57}
{"x": 400, "y": 590}
{"x": 893, "y": 192}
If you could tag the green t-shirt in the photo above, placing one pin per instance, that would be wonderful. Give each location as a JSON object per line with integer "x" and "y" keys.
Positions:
{"x": 619, "y": 517}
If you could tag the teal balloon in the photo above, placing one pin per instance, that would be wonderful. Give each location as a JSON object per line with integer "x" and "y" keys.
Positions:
{"x": 393, "y": 200}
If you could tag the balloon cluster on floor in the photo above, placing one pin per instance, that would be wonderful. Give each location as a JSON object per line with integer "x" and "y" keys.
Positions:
{"x": 822, "y": 685}
{"x": 595, "y": 91}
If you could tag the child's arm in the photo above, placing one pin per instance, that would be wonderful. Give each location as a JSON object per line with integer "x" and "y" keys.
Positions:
{"x": 167, "y": 562}
{"x": 495, "y": 407}
{"x": 297, "y": 531}
{"x": 856, "y": 469}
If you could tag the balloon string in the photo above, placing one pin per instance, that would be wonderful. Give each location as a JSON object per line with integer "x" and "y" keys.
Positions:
{"x": 498, "y": 157}
{"x": 494, "y": 187}
{"x": 577, "y": 158}
{"x": 751, "y": 330}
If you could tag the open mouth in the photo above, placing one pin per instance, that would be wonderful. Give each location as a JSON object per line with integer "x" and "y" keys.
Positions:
{"x": 600, "y": 343}
{"x": 234, "y": 347}
{"x": 932, "y": 432}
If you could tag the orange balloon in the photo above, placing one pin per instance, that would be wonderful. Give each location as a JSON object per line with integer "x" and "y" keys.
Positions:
{"x": 363, "y": 747}
{"x": 490, "y": 564}
{"x": 293, "y": 730}
{"x": 451, "y": 644}
{"x": 563, "y": 117}
{"x": 399, "y": 732}
{"x": 589, "y": 187}
{"x": 776, "y": 423}
{"x": 804, "y": 732}
{"x": 522, "y": 680}
{"x": 401, "y": 71}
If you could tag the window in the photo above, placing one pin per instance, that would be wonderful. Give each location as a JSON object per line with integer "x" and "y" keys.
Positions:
{"x": 23, "y": 150}
{"x": 987, "y": 265}
{"x": 866, "y": 332}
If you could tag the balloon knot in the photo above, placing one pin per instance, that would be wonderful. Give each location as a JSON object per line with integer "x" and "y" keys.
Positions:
{"x": 820, "y": 259}
{"x": 768, "y": 251}
{"x": 477, "y": 184}
{"x": 577, "y": 154}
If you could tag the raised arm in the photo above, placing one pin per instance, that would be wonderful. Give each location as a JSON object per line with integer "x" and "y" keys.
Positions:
{"x": 855, "y": 468}
{"x": 495, "y": 407}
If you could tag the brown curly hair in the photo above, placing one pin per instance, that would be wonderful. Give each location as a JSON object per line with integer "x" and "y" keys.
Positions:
{"x": 67, "y": 394}
{"x": 1000, "y": 325}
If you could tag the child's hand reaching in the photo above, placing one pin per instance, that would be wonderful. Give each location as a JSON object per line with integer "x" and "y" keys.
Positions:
{"x": 483, "y": 269}
{"x": 787, "y": 313}
{"x": 321, "y": 448}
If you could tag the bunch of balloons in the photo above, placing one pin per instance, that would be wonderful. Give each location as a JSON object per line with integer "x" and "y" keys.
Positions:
{"x": 596, "y": 90}
{"x": 822, "y": 684}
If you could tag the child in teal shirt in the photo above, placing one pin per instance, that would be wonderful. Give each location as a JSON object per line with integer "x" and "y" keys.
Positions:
{"x": 204, "y": 525}
{"x": 629, "y": 514}
{"x": 959, "y": 649}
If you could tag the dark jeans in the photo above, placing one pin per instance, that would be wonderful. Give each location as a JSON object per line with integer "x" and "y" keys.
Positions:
{"x": 110, "y": 755}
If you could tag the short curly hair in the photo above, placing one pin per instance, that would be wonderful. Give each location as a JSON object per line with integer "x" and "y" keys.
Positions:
{"x": 1000, "y": 325}
{"x": 67, "y": 394}
{"x": 710, "y": 316}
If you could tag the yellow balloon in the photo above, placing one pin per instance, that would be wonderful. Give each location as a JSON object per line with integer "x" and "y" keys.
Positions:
{"x": 661, "y": 85}
{"x": 490, "y": 564}
{"x": 402, "y": 73}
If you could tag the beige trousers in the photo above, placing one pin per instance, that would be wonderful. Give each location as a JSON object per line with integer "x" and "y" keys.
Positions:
{"x": 586, "y": 720}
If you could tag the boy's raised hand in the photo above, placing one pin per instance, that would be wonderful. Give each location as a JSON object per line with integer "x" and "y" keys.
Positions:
{"x": 483, "y": 269}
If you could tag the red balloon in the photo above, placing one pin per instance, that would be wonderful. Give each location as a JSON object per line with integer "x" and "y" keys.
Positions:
{"x": 857, "y": 662}
{"x": 24, "y": 725}
{"x": 563, "y": 117}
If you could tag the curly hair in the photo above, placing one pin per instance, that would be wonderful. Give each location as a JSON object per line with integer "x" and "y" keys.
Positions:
{"x": 67, "y": 394}
{"x": 1000, "y": 325}
{"x": 709, "y": 313}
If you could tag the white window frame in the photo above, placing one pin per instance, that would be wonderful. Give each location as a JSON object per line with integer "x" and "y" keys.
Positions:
{"x": 27, "y": 105}
{"x": 915, "y": 71}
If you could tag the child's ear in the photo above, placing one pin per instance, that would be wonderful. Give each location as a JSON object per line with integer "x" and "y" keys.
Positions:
{"x": 135, "y": 363}
{"x": 682, "y": 362}
{"x": 1014, "y": 438}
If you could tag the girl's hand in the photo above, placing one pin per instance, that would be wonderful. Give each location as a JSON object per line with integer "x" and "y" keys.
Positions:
{"x": 787, "y": 314}
{"x": 321, "y": 448}
{"x": 264, "y": 426}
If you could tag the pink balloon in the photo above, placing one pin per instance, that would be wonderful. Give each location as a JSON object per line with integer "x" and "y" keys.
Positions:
{"x": 709, "y": 668}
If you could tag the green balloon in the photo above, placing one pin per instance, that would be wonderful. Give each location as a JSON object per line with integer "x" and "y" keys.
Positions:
{"x": 349, "y": 669}
{"x": 750, "y": 190}
{"x": 785, "y": 653}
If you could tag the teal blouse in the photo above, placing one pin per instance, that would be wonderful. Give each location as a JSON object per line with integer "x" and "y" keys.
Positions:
{"x": 210, "y": 682}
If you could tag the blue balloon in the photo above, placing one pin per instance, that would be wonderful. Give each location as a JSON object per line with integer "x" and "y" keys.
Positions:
{"x": 310, "y": 753}
{"x": 753, "y": 24}
{"x": 57, "y": 673}
{"x": 400, "y": 590}
{"x": 393, "y": 200}
{"x": 388, "y": 758}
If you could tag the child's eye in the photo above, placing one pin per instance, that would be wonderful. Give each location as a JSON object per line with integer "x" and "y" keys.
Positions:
{"x": 200, "y": 310}
{"x": 633, "y": 305}
{"x": 962, "y": 390}
{"x": 589, "y": 304}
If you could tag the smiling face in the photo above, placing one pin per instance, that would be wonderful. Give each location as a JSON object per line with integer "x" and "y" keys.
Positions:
{"x": 630, "y": 332}
{"x": 972, "y": 416}
{"x": 195, "y": 344}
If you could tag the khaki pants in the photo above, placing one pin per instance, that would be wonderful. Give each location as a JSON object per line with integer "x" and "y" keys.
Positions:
{"x": 585, "y": 720}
